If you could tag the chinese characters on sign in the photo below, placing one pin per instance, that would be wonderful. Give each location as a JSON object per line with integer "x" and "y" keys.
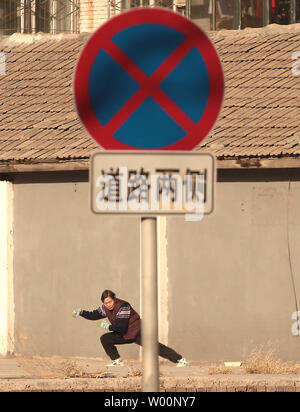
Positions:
{"x": 153, "y": 183}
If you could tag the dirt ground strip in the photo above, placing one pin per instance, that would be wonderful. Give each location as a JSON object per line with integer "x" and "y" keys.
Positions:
{"x": 214, "y": 384}
{"x": 35, "y": 374}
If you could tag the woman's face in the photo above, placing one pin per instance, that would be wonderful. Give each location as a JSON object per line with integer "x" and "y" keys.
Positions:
{"x": 109, "y": 303}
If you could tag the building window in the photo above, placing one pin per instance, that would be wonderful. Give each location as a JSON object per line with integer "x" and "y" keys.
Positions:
{"x": 130, "y": 4}
{"x": 32, "y": 16}
{"x": 238, "y": 14}
{"x": 224, "y": 14}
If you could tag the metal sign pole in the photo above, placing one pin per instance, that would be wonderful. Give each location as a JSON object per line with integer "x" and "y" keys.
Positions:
{"x": 293, "y": 12}
{"x": 150, "y": 381}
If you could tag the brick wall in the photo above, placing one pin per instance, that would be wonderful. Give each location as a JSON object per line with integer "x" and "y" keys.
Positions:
{"x": 93, "y": 13}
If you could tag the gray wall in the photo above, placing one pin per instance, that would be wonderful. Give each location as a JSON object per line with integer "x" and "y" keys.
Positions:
{"x": 230, "y": 286}
{"x": 229, "y": 276}
{"x": 64, "y": 257}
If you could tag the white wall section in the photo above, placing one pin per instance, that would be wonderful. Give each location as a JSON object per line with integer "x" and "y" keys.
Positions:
{"x": 6, "y": 269}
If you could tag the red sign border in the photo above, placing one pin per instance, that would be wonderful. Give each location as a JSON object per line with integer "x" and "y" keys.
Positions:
{"x": 143, "y": 16}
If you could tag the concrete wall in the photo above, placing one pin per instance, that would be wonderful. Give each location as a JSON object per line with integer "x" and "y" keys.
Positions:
{"x": 230, "y": 276}
{"x": 226, "y": 283}
{"x": 64, "y": 258}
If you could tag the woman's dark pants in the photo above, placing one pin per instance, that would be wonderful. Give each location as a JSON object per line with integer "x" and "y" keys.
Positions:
{"x": 109, "y": 340}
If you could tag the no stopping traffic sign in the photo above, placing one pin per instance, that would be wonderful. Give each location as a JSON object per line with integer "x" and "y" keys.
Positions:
{"x": 148, "y": 79}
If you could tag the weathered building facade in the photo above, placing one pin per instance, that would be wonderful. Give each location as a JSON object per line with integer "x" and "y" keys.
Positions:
{"x": 226, "y": 284}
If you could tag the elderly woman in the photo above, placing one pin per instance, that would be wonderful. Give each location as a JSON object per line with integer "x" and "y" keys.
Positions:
{"x": 124, "y": 327}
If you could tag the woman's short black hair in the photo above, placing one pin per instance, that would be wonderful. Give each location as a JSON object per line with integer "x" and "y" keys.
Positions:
{"x": 107, "y": 294}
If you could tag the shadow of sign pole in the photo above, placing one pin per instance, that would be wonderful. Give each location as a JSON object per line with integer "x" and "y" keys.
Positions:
{"x": 150, "y": 381}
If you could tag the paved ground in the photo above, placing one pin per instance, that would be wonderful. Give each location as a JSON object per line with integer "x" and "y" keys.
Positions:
{"x": 56, "y": 374}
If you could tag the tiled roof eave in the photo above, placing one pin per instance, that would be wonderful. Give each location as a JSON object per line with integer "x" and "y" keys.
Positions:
{"x": 39, "y": 127}
{"x": 83, "y": 164}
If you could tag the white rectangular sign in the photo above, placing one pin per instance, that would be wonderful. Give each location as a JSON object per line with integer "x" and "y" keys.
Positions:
{"x": 152, "y": 183}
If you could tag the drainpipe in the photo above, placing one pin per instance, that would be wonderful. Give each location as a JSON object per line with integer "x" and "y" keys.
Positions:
{"x": 266, "y": 12}
{"x": 27, "y": 16}
{"x": 188, "y": 9}
{"x": 214, "y": 15}
{"x": 237, "y": 20}
{"x": 292, "y": 11}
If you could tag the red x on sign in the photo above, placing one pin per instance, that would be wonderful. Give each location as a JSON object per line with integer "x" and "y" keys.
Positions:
{"x": 149, "y": 79}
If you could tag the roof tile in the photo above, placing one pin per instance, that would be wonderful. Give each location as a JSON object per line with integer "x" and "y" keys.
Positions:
{"x": 260, "y": 115}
